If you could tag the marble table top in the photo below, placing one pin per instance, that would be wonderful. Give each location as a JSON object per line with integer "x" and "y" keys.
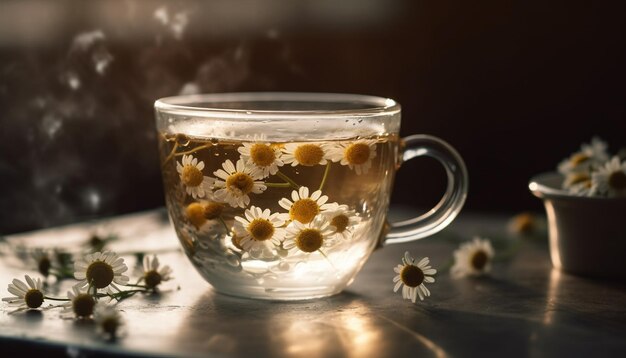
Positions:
{"x": 524, "y": 308}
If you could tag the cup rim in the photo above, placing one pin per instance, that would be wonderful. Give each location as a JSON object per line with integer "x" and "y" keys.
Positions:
{"x": 543, "y": 186}
{"x": 181, "y": 105}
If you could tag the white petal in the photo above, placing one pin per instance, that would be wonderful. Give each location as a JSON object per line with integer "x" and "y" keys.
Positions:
{"x": 20, "y": 285}
{"x": 397, "y": 286}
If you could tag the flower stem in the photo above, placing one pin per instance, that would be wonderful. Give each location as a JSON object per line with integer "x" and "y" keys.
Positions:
{"x": 193, "y": 150}
{"x": 277, "y": 185}
{"x": 136, "y": 285}
{"x": 55, "y": 298}
{"x": 325, "y": 175}
{"x": 288, "y": 180}
{"x": 224, "y": 223}
{"x": 171, "y": 155}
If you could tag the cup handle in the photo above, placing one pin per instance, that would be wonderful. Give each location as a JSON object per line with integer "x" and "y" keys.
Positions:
{"x": 450, "y": 204}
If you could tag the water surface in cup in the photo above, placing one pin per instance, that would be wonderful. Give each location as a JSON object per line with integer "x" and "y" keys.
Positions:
{"x": 272, "y": 218}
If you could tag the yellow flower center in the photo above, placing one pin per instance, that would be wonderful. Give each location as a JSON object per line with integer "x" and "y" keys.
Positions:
{"x": 578, "y": 159}
{"x": 152, "y": 278}
{"x": 195, "y": 214}
{"x": 262, "y": 155}
{"x": 309, "y": 240}
{"x": 240, "y": 183}
{"x": 191, "y": 176}
{"x": 261, "y": 229}
{"x": 44, "y": 265}
{"x": 412, "y": 275}
{"x": 479, "y": 260}
{"x": 213, "y": 210}
{"x": 524, "y": 223}
{"x": 100, "y": 274}
{"x": 308, "y": 154}
{"x": 83, "y": 305}
{"x": 33, "y": 298}
{"x": 617, "y": 180}
{"x": 340, "y": 222}
{"x": 304, "y": 210}
{"x": 357, "y": 153}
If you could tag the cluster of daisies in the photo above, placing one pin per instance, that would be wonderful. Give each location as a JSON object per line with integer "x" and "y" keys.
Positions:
{"x": 592, "y": 172}
{"x": 310, "y": 221}
{"x": 472, "y": 258}
{"x": 101, "y": 280}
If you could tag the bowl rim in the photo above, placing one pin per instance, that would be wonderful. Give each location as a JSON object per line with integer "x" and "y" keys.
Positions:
{"x": 538, "y": 185}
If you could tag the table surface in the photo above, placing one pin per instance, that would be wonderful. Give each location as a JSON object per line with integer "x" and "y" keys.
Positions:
{"x": 524, "y": 308}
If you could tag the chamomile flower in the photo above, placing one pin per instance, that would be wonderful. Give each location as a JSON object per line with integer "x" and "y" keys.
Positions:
{"x": 306, "y": 154}
{"x": 152, "y": 274}
{"x": 412, "y": 278}
{"x": 472, "y": 258}
{"x": 101, "y": 270}
{"x": 109, "y": 322}
{"x": 575, "y": 179}
{"x": 26, "y": 295}
{"x": 237, "y": 182}
{"x": 303, "y": 207}
{"x": 43, "y": 260}
{"x": 265, "y": 157}
{"x": 80, "y": 305}
{"x": 309, "y": 237}
{"x": 357, "y": 155}
{"x": 590, "y": 156}
{"x": 343, "y": 221}
{"x": 196, "y": 184}
{"x": 198, "y": 213}
{"x": 259, "y": 231}
{"x": 610, "y": 179}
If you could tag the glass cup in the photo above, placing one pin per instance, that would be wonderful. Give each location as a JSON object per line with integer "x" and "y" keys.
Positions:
{"x": 284, "y": 196}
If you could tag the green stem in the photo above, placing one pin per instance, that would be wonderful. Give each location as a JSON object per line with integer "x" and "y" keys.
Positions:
{"x": 288, "y": 180}
{"x": 325, "y": 175}
{"x": 277, "y": 185}
{"x": 326, "y": 257}
{"x": 136, "y": 285}
{"x": 193, "y": 150}
{"x": 171, "y": 155}
{"x": 55, "y": 298}
{"x": 224, "y": 223}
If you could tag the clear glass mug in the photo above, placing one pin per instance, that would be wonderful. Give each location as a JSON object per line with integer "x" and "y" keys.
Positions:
{"x": 284, "y": 196}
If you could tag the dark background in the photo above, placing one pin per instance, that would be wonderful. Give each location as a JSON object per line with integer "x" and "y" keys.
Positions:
{"x": 515, "y": 86}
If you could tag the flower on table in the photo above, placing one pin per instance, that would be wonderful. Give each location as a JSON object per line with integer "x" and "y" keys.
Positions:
{"x": 304, "y": 208}
{"x": 306, "y": 154}
{"x": 263, "y": 156}
{"x": 610, "y": 179}
{"x": 80, "y": 303}
{"x": 26, "y": 295}
{"x": 590, "y": 156}
{"x": 196, "y": 184}
{"x": 357, "y": 155}
{"x": 309, "y": 237}
{"x": 343, "y": 221}
{"x": 412, "y": 278}
{"x": 259, "y": 231}
{"x": 109, "y": 322}
{"x": 472, "y": 258}
{"x": 236, "y": 182}
{"x": 43, "y": 259}
{"x": 101, "y": 270}
{"x": 152, "y": 274}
